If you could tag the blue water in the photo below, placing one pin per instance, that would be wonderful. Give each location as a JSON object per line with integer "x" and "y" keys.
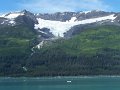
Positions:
{"x": 61, "y": 83}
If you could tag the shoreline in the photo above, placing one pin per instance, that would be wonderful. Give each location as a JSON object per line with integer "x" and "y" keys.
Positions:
{"x": 61, "y": 77}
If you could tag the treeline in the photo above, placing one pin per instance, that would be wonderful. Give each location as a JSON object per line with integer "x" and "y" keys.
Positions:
{"x": 92, "y": 52}
{"x": 57, "y": 63}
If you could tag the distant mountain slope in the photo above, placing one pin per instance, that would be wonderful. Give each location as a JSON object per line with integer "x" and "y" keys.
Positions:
{"x": 58, "y": 24}
{"x": 68, "y": 43}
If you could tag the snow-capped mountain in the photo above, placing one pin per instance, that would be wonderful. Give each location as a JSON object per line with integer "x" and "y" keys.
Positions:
{"x": 59, "y": 24}
{"x": 59, "y": 44}
{"x": 12, "y": 18}
{"x": 13, "y": 15}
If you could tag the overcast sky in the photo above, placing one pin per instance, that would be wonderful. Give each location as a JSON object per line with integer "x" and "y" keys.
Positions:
{"x": 51, "y": 6}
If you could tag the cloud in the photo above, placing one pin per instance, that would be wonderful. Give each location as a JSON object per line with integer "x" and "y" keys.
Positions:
{"x": 51, "y": 6}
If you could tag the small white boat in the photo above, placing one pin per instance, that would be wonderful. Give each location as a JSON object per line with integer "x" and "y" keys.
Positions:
{"x": 69, "y": 81}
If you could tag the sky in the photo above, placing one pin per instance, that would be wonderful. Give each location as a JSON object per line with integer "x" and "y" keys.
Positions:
{"x": 51, "y": 6}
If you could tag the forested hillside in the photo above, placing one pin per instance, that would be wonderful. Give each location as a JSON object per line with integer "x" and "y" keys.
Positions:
{"x": 94, "y": 51}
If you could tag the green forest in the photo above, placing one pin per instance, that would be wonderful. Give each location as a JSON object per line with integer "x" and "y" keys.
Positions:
{"x": 93, "y": 51}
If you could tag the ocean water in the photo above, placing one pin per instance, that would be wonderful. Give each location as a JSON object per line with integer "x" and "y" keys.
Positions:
{"x": 61, "y": 83}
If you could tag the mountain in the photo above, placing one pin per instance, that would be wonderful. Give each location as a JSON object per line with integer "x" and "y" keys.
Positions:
{"x": 66, "y": 20}
{"x": 59, "y": 44}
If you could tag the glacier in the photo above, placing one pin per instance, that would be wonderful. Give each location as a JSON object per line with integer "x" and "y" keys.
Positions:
{"x": 58, "y": 28}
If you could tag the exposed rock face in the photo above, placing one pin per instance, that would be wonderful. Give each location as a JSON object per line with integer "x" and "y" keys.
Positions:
{"x": 65, "y": 24}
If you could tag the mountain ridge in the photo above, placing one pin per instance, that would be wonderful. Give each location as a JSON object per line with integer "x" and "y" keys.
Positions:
{"x": 61, "y": 19}
{"x": 60, "y": 44}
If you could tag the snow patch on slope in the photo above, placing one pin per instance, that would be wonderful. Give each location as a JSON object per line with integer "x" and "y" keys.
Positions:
{"x": 40, "y": 45}
{"x": 11, "y": 18}
{"x": 86, "y": 12}
{"x": 72, "y": 19}
{"x": 13, "y": 15}
{"x": 9, "y": 22}
{"x": 2, "y": 15}
{"x": 58, "y": 28}
{"x": 42, "y": 32}
{"x": 12, "y": 22}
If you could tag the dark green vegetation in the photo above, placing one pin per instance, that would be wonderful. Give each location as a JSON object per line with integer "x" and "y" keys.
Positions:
{"x": 15, "y": 47}
{"x": 95, "y": 51}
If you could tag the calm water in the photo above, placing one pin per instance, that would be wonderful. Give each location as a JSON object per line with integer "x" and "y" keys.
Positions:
{"x": 63, "y": 83}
